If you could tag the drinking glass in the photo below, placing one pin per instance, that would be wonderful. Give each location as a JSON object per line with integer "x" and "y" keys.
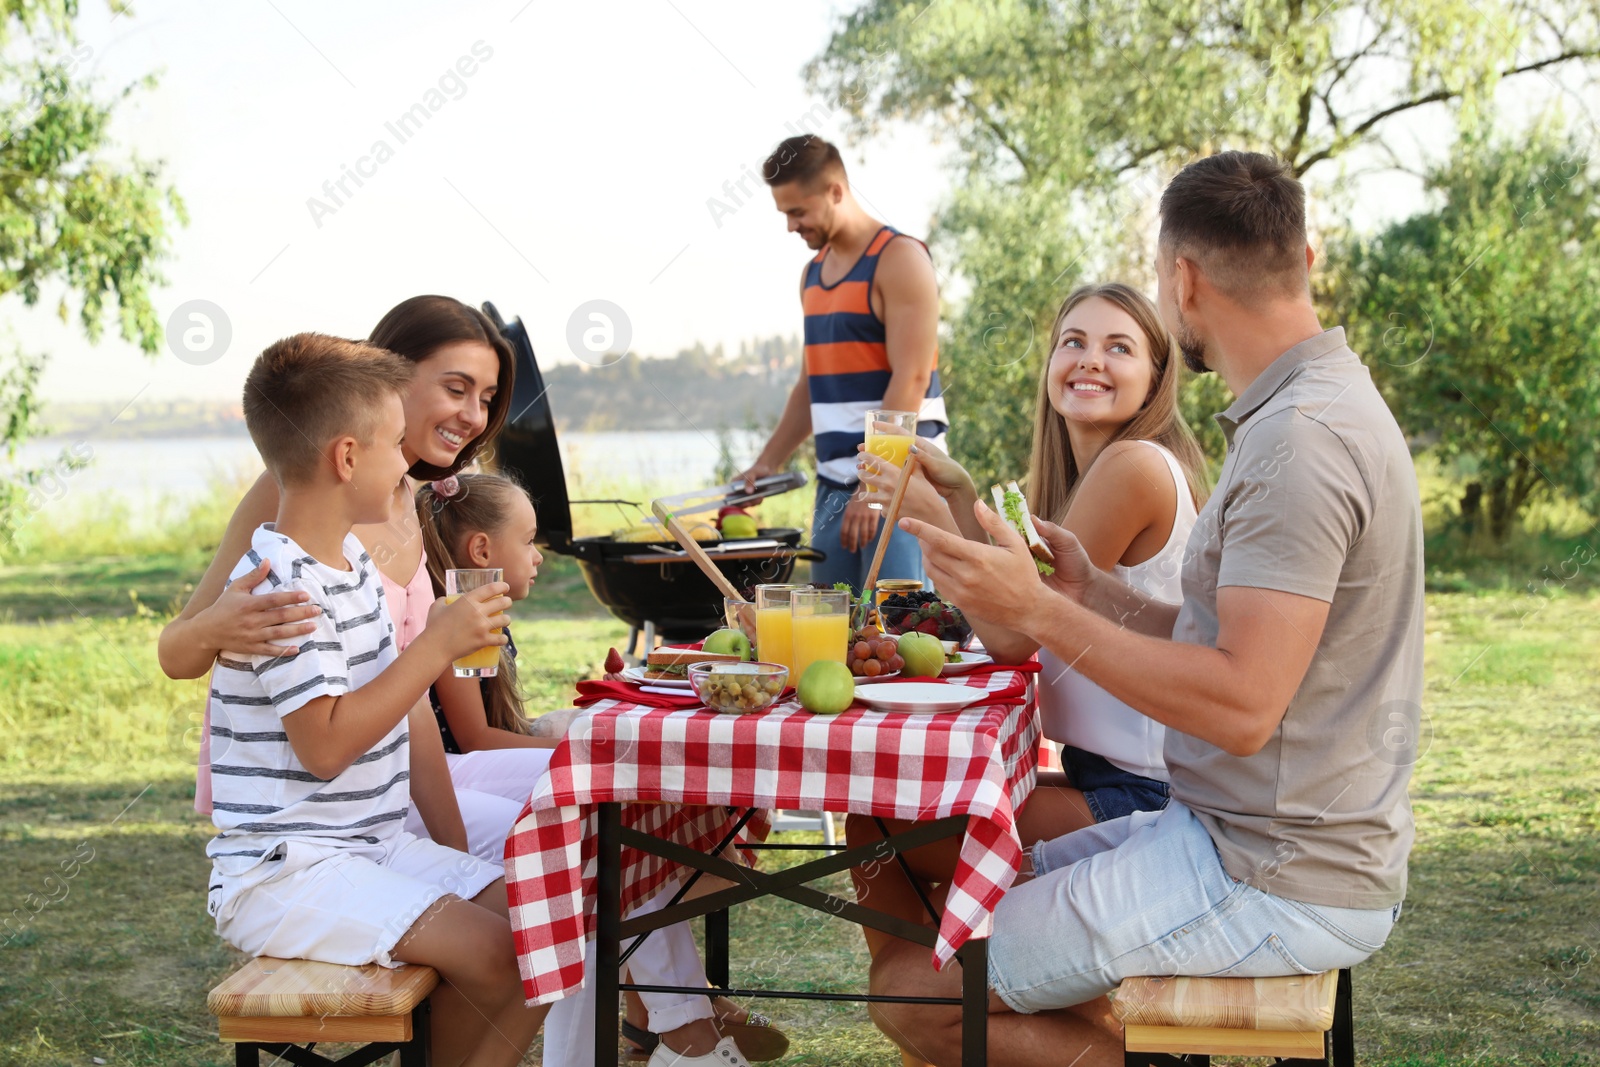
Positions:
{"x": 740, "y": 615}
{"x": 484, "y": 663}
{"x": 890, "y": 435}
{"x": 820, "y": 621}
{"x": 774, "y": 629}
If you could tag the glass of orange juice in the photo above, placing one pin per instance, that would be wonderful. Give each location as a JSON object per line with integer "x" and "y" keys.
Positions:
{"x": 484, "y": 663}
{"x": 774, "y": 630}
{"x": 820, "y": 627}
{"x": 890, "y": 435}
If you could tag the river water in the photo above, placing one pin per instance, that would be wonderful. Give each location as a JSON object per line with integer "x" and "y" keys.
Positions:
{"x": 158, "y": 472}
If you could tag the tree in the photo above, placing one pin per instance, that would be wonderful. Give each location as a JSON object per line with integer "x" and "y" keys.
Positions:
{"x": 76, "y": 219}
{"x": 1480, "y": 322}
{"x": 1067, "y": 118}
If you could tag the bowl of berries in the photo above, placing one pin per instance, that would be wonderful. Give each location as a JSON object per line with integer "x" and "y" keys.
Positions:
{"x": 924, "y": 612}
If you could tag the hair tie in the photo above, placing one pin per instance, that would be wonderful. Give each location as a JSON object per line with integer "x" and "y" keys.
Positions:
{"x": 445, "y": 488}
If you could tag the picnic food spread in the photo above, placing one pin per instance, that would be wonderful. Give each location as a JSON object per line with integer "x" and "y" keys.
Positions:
{"x": 728, "y": 641}
{"x": 676, "y": 774}
{"x": 1014, "y": 506}
{"x": 737, "y": 524}
{"x": 923, "y": 655}
{"x": 674, "y": 662}
{"x": 652, "y": 532}
{"x": 924, "y": 612}
{"x": 827, "y": 688}
{"x": 736, "y": 688}
{"x": 873, "y": 653}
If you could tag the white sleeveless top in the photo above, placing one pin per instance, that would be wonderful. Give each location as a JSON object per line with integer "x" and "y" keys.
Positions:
{"x": 1075, "y": 711}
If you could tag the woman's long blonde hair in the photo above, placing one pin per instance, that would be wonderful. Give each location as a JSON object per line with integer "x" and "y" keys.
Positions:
{"x": 1053, "y": 473}
{"x": 481, "y": 505}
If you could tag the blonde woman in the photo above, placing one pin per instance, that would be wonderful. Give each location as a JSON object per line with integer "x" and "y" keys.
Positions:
{"x": 1113, "y": 462}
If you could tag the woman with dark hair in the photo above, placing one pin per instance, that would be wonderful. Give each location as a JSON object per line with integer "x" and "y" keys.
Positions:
{"x": 455, "y": 405}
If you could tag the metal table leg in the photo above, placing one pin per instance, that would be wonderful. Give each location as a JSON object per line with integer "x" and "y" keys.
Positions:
{"x": 974, "y": 957}
{"x": 717, "y": 948}
{"x": 788, "y": 884}
{"x": 608, "y": 923}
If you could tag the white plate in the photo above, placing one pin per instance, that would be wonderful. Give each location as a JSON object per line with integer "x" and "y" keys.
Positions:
{"x": 636, "y": 676}
{"x": 969, "y": 661}
{"x": 919, "y": 696}
{"x": 862, "y": 679}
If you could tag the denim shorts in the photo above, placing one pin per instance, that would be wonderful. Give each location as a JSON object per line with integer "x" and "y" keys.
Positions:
{"x": 1111, "y": 791}
{"x": 902, "y": 559}
{"x": 1147, "y": 894}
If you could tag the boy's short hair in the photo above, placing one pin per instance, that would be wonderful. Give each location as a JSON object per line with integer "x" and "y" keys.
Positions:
{"x": 806, "y": 159}
{"x": 1242, "y": 217}
{"x": 306, "y": 390}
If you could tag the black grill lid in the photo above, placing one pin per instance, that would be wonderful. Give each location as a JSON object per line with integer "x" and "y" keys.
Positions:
{"x": 527, "y": 448}
{"x": 528, "y": 451}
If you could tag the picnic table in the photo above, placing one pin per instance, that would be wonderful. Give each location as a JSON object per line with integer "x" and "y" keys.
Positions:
{"x": 638, "y": 796}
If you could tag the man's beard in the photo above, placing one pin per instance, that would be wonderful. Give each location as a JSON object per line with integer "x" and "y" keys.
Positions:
{"x": 1191, "y": 347}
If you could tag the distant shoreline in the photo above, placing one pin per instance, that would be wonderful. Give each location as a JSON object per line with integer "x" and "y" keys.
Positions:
{"x": 698, "y": 388}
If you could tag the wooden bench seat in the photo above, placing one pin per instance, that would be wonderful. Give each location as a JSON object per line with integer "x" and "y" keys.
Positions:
{"x": 286, "y": 1007}
{"x": 1301, "y": 1018}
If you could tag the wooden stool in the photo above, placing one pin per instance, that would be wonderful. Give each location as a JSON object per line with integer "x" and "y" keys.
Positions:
{"x": 1302, "y": 1019}
{"x": 288, "y": 1007}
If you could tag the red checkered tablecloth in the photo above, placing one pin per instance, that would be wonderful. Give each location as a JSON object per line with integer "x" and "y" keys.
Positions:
{"x": 708, "y": 767}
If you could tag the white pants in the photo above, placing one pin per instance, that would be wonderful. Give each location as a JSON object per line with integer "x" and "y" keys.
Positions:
{"x": 668, "y": 957}
{"x": 491, "y": 787}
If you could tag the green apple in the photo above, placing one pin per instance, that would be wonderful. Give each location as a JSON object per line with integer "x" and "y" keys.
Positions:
{"x": 728, "y": 642}
{"x": 923, "y": 655}
{"x": 827, "y": 688}
{"x": 739, "y": 528}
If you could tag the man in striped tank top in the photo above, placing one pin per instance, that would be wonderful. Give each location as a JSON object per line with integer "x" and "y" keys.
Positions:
{"x": 871, "y": 305}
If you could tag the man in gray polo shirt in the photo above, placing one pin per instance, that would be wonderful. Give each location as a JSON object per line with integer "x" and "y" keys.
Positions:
{"x": 1290, "y": 677}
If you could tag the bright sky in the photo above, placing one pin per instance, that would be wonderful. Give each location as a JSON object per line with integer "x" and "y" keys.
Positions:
{"x": 574, "y": 163}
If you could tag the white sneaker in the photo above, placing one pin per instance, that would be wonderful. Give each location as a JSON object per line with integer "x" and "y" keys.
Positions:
{"x": 726, "y": 1054}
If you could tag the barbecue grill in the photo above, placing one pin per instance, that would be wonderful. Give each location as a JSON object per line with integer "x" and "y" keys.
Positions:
{"x": 656, "y": 589}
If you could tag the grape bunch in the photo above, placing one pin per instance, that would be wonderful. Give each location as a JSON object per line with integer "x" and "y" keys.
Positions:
{"x": 873, "y": 653}
{"x": 924, "y": 612}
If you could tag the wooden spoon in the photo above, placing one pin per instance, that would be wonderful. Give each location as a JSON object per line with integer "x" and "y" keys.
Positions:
{"x": 890, "y": 514}
{"x": 696, "y": 553}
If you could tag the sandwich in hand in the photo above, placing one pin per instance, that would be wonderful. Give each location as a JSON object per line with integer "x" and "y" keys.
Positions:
{"x": 1010, "y": 502}
{"x": 674, "y": 662}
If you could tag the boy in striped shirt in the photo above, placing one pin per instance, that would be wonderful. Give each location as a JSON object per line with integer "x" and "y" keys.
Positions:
{"x": 310, "y": 750}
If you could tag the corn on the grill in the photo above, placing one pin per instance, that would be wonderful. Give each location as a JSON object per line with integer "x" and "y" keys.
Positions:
{"x": 654, "y": 532}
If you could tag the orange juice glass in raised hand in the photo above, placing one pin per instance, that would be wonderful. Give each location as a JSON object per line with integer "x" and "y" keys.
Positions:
{"x": 484, "y": 663}
{"x": 890, "y": 435}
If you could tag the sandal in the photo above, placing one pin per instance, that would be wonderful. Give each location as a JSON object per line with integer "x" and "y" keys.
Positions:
{"x": 643, "y": 1041}
{"x": 756, "y": 1037}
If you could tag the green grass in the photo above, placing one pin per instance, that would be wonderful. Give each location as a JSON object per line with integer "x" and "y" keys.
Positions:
{"x": 108, "y": 951}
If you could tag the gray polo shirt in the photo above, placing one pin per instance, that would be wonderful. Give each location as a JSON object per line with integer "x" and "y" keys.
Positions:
{"x": 1317, "y": 497}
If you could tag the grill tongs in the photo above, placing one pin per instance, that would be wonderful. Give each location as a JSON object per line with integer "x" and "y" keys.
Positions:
{"x": 732, "y": 495}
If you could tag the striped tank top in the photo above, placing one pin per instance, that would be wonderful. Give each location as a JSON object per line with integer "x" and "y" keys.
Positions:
{"x": 847, "y": 363}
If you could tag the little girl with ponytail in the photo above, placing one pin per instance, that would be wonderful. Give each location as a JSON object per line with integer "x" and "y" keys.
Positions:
{"x": 481, "y": 520}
